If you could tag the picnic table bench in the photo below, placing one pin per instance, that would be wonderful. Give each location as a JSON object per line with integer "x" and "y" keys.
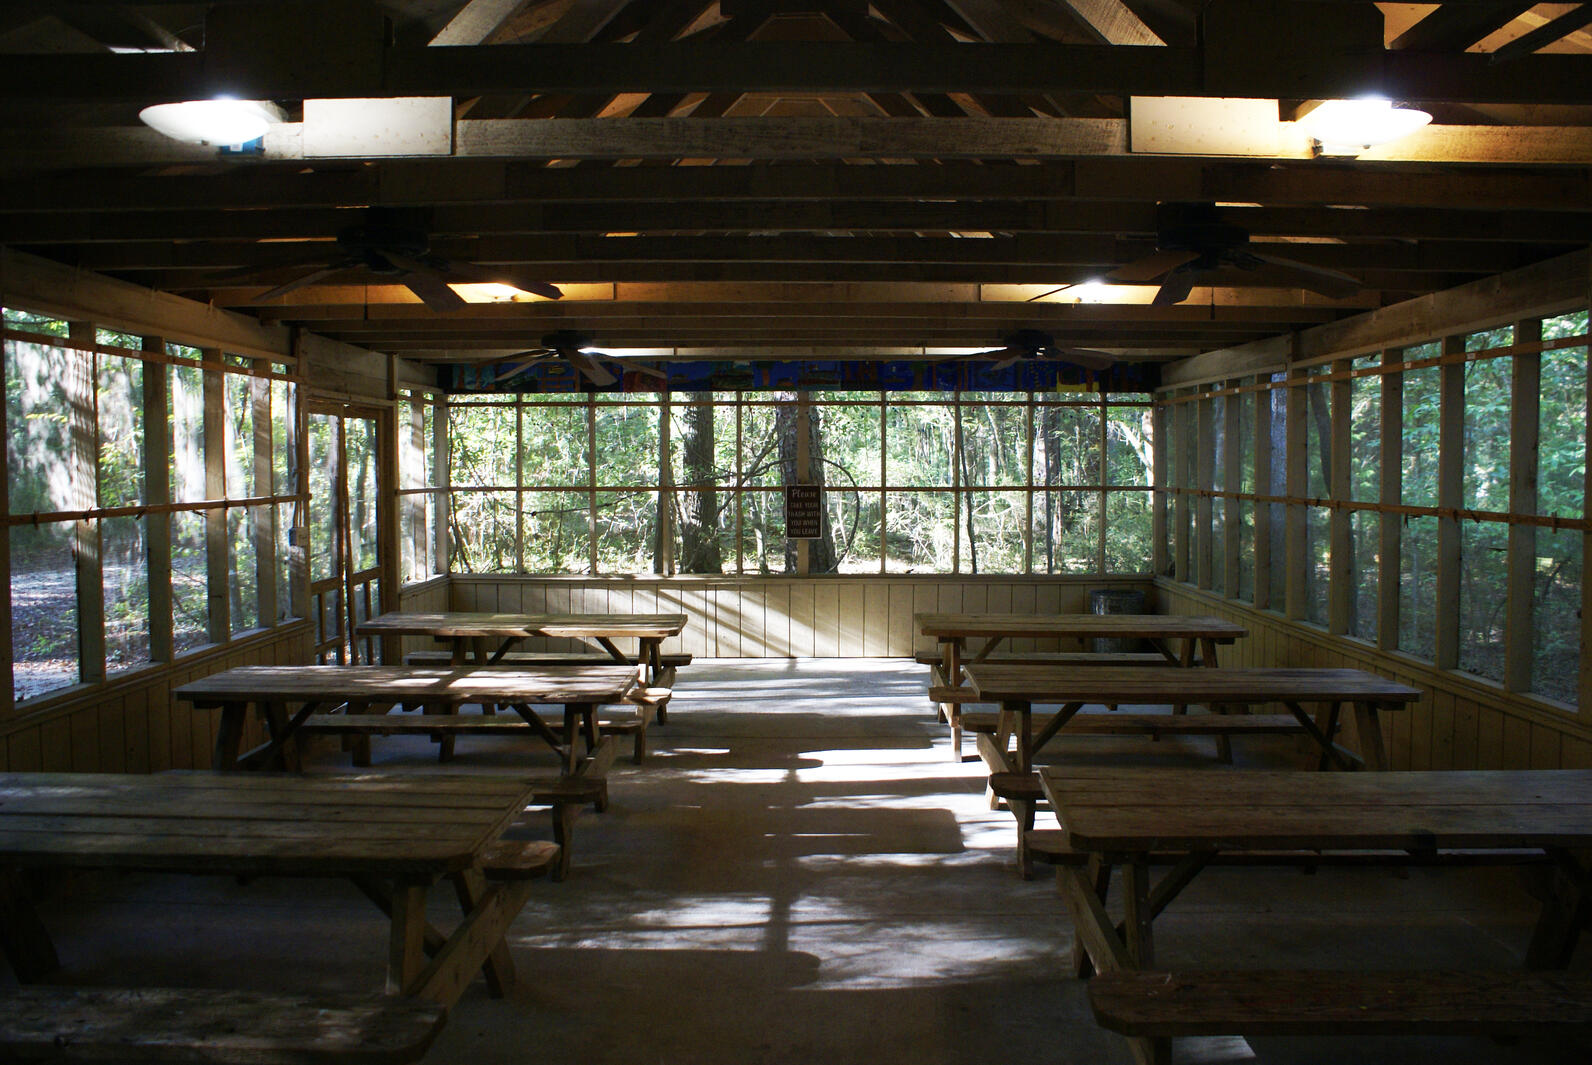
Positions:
{"x": 373, "y": 690}
{"x": 191, "y": 1025}
{"x": 1121, "y": 818}
{"x": 394, "y": 837}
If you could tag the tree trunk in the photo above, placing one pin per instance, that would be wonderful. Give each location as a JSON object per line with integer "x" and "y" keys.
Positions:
{"x": 820, "y": 552}
{"x": 699, "y": 502}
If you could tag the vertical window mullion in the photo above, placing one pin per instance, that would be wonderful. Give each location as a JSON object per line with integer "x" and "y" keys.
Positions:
{"x": 1266, "y": 596}
{"x": 218, "y": 549}
{"x": 1159, "y": 557}
{"x": 1295, "y": 516}
{"x": 956, "y": 482}
{"x": 1204, "y": 483}
{"x": 84, "y": 468}
{"x": 1103, "y": 442}
{"x": 1524, "y": 437}
{"x": 1232, "y": 483}
{"x": 264, "y": 516}
{"x": 591, "y": 481}
{"x": 1340, "y": 583}
{"x": 519, "y": 483}
{"x": 1028, "y": 482}
{"x": 1450, "y": 497}
{"x": 1389, "y": 524}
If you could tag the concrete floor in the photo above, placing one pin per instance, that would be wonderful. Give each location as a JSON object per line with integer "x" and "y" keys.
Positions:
{"x": 799, "y": 873}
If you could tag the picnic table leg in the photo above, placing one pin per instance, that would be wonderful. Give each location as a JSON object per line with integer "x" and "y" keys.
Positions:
{"x": 23, "y": 937}
{"x": 444, "y": 743}
{"x": 406, "y": 941}
{"x": 1368, "y": 726}
{"x": 229, "y": 735}
{"x": 471, "y": 887}
{"x": 1565, "y": 910}
{"x": 284, "y": 754}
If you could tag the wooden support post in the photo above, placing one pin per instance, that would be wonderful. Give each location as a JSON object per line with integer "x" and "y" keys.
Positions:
{"x": 1341, "y": 586}
{"x": 1296, "y": 463}
{"x": 441, "y": 478}
{"x": 298, "y": 446}
{"x": 1266, "y": 597}
{"x": 83, "y": 463}
{"x": 1450, "y": 495}
{"x": 1389, "y": 526}
{"x": 218, "y": 546}
{"x": 804, "y": 460}
{"x": 1524, "y": 435}
{"x": 1205, "y": 481}
{"x": 264, "y": 516}
{"x": 157, "y": 492}
{"x": 1183, "y": 460}
{"x": 1160, "y": 558}
{"x": 1232, "y": 481}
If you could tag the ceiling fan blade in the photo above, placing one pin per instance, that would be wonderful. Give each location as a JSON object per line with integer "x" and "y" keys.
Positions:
{"x": 1012, "y": 358}
{"x": 595, "y": 371}
{"x": 635, "y": 367}
{"x": 1318, "y": 279}
{"x": 533, "y": 355}
{"x": 283, "y": 262}
{"x": 1088, "y": 358}
{"x": 433, "y": 292}
{"x": 501, "y": 275}
{"x": 1176, "y": 287}
{"x": 299, "y": 282}
{"x": 1151, "y": 266}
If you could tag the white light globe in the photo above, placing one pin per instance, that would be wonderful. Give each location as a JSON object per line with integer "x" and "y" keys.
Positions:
{"x": 1361, "y": 123}
{"x": 218, "y": 122}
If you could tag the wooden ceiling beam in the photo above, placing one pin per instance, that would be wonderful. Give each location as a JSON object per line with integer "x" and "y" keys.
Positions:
{"x": 1097, "y": 180}
{"x": 873, "y": 216}
{"x": 788, "y": 138}
{"x": 1393, "y": 284}
{"x": 509, "y": 338}
{"x": 1455, "y": 27}
{"x": 1082, "y": 250}
{"x": 804, "y": 67}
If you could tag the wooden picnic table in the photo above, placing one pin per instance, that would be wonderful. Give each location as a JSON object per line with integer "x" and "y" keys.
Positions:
{"x": 1175, "y": 636}
{"x": 1018, "y": 687}
{"x": 1192, "y": 817}
{"x": 394, "y": 836}
{"x": 484, "y": 638}
{"x": 376, "y": 689}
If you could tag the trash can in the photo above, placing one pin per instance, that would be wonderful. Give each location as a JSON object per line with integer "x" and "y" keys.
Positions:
{"x": 1116, "y": 601}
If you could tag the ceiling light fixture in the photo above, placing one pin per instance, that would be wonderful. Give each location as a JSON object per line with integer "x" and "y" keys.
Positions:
{"x": 1349, "y": 127}
{"x": 225, "y": 123}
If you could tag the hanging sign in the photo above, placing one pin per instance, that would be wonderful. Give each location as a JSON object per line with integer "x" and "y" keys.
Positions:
{"x": 804, "y": 512}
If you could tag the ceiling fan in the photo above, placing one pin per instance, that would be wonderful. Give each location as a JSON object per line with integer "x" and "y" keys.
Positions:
{"x": 1195, "y": 245}
{"x": 1033, "y": 344}
{"x": 392, "y": 244}
{"x": 575, "y": 349}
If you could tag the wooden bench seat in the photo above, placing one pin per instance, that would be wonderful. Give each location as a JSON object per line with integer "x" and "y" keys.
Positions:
{"x": 411, "y": 724}
{"x": 1060, "y": 658}
{"x": 1155, "y": 724}
{"x": 189, "y": 1025}
{"x": 541, "y": 658}
{"x": 520, "y": 859}
{"x": 1284, "y": 1003}
{"x": 1051, "y": 846}
{"x": 564, "y": 796}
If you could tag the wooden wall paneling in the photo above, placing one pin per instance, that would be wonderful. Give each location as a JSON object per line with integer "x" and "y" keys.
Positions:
{"x": 1400, "y": 725}
{"x": 777, "y": 623}
{"x": 1517, "y": 743}
{"x": 161, "y": 712}
{"x": 925, "y": 600}
{"x": 1575, "y": 754}
{"x": 1489, "y": 738}
{"x": 692, "y": 601}
{"x": 113, "y": 735}
{"x": 201, "y": 739}
{"x": 1466, "y": 718}
{"x": 1547, "y": 745}
{"x": 802, "y": 635}
{"x": 1023, "y": 601}
{"x": 135, "y": 721}
{"x": 852, "y": 610}
{"x": 876, "y": 619}
{"x": 22, "y": 752}
{"x": 558, "y": 602}
{"x": 975, "y": 598}
{"x": 899, "y": 643}
{"x": 752, "y": 609}
{"x": 826, "y": 619}
{"x": 55, "y": 746}
{"x": 1450, "y": 494}
{"x": 182, "y": 724}
{"x": 1442, "y": 719}
{"x": 85, "y": 741}
{"x": 948, "y": 597}
{"x": 725, "y": 641}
